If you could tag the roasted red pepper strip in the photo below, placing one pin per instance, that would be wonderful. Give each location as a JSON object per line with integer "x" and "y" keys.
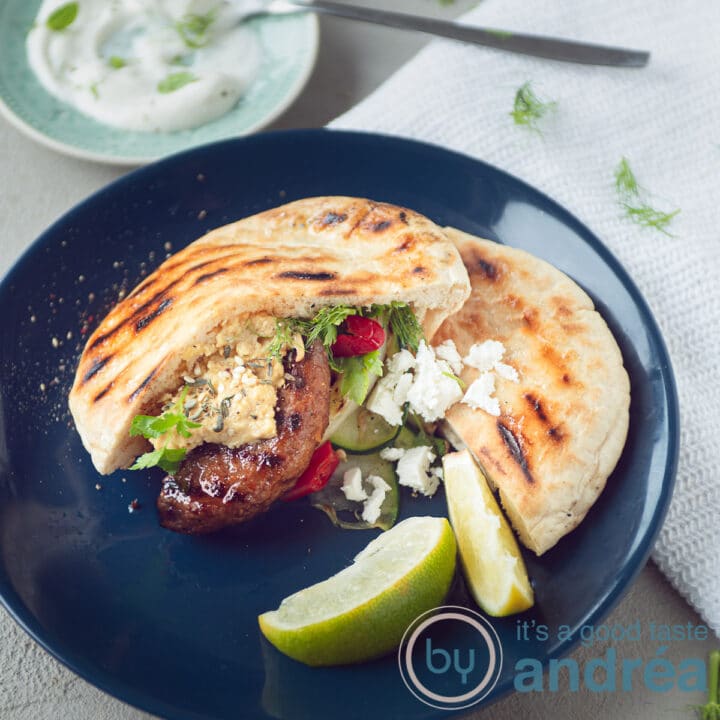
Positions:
{"x": 362, "y": 335}
{"x": 322, "y": 466}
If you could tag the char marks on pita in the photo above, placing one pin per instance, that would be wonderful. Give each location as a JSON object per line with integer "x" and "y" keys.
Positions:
{"x": 562, "y": 427}
{"x": 288, "y": 262}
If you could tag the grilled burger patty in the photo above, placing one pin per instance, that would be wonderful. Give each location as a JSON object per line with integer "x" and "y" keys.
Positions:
{"x": 217, "y": 486}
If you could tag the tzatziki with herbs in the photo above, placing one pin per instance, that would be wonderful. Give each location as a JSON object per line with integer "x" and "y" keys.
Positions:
{"x": 148, "y": 65}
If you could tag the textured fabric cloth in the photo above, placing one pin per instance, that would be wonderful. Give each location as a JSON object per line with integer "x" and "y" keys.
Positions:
{"x": 664, "y": 120}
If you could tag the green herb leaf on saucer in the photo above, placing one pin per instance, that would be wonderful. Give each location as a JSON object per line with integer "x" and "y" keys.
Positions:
{"x": 175, "y": 81}
{"x": 63, "y": 17}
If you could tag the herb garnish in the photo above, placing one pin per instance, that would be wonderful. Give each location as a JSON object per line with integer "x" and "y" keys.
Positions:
{"x": 63, "y": 17}
{"x": 458, "y": 380}
{"x": 711, "y": 710}
{"x": 152, "y": 427}
{"x": 528, "y": 108}
{"x": 175, "y": 81}
{"x": 439, "y": 445}
{"x": 633, "y": 200}
{"x": 193, "y": 29}
{"x": 405, "y": 326}
{"x": 324, "y": 325}
{"x": 116, "y": 62}
{"x": 357, "y": 372}
{"x": 284, "y": 331}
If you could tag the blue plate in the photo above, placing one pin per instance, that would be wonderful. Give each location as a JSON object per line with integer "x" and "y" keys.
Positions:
{"x": 167, "y": 622}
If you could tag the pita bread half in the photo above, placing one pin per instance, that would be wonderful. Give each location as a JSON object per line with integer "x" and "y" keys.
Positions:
{"x": 562, "y": 427}
{"x": 286, "y": 262}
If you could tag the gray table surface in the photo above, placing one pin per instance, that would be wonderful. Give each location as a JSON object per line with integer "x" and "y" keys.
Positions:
{"x": 37, "y": 185}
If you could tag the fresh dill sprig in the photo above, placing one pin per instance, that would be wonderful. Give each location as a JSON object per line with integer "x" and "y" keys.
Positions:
{"x": 528, "y": 108}
{"x": 651, "y": 218}
{"x": 405, "y": 325}
{"x": 323, "y": 326}
{"x": 633, "y": 201}
{"x": 284, "y": 331}
{"x": 326, "y": 322}
{"x": 358, "y": 370}
{"x": 625, "y": 180}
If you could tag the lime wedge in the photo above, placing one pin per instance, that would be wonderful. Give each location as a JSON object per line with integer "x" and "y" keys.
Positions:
{"x": 489, "y": 553}
{"x": 363, "y": 611}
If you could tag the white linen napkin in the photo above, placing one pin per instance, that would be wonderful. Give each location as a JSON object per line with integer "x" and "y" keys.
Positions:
{"x": 664, "y": 119}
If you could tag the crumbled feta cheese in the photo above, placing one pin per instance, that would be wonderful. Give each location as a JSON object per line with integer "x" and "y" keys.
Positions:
{"x": 485, "y": 355}
{"x": 392, "y": 454}
{"x": 413, "y": 470}
{"x": 401, "y": 362}
{"x": 400, "y": 393}
{"x": 507, "y": 372}
{"x": 382, "y": 402}
{"x": 479, "y": 395}
{"x": 373, "y": 505}
{"x": 447, "y": 351}
{"x": 428, "y": 381}
{"x": 432, "y": 391}
{"x": 352, "y": 485}
{"x": 425, "y": 382}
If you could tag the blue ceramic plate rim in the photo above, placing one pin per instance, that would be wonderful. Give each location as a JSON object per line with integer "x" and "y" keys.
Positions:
{"x": 625, "y": 575}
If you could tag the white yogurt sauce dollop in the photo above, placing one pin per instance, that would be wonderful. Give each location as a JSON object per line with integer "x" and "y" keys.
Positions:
{"x": 150, "y": 65}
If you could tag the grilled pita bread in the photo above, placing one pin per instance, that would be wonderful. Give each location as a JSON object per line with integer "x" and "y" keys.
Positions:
{"x": 562, "y": 427}
{"x": 286, "y": 262}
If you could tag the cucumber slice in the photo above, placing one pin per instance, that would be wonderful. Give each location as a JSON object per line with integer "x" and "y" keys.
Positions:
{"x": 364, "y": 432}
{"x": 346, "y": 513}
{"x": 407, "y": 439}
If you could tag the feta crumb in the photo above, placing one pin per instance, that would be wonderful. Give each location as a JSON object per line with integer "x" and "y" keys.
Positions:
{"x": 447, "y": 351}
{"x": 401, "y": 362}
{"x": 400, "y": 393}
{"x": 413, "y": 470}
{"x": 373, "y": 505}
{"x": 432, "y": 391}
{"x": 352, "y": 485}
{"x": 392, "y": 454}
{"x": 484, "y": 356}
{"x": 507, "y": 372}
{"x": 479, "y": 395}
{"x": 381, "y": 400}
